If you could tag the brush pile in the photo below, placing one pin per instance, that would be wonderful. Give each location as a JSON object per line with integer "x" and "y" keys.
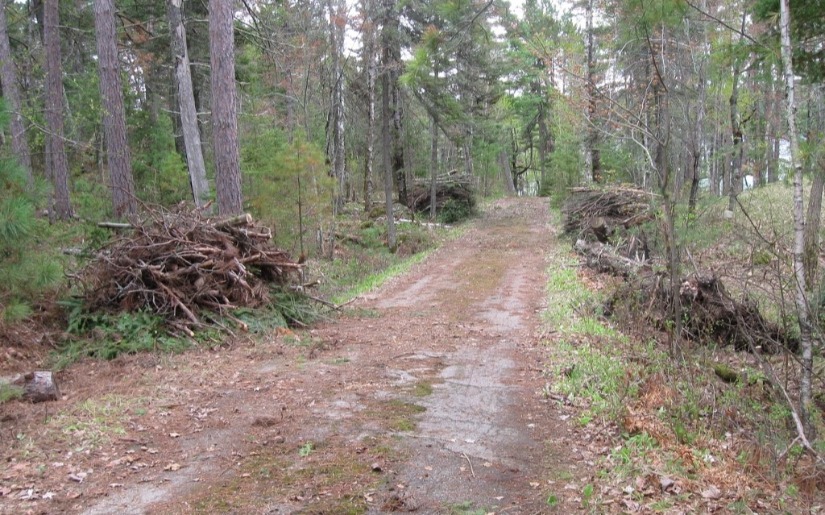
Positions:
{"x": 179, "y": 265}
{"x": 601, "y": 211}
{"x": 456, "y": 188}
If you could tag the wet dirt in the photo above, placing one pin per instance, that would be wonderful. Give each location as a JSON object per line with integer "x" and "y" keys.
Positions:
{"x": 425, "y": 396}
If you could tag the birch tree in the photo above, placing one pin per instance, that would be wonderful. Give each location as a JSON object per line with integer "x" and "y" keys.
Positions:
{"x": 800, "y": 297}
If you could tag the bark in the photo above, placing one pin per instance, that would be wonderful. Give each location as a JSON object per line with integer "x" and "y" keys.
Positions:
{"x": 592, "y": 155}
{"x": 186, "y": 102}
{"x": 56, "y": 162}
{"x": 224, "y": 109}
{"x": 507, "y": 173}
{"x": 736, "y": 132}
{"x": 369, "y": 59}
{"x": 114, "y": 115}
{"x": 772, "y": 138}
{"x": 433, "y": 165}
{"x": 398, "y": 165}
{"x": 544, "y": 139}
{"x": 812, "y": 223}
{"x": 336, "y": 40}
{"x": 713, "y": 175}
{"x": 11, "y": 91}
{"x": 386, "y": 115}
{"x": 801, "y": 296}
{"x": 736, "y": 135}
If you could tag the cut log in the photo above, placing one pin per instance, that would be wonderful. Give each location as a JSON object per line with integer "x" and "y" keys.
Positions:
{"x": 235, "y": 221}
{"x": 603, "y": 258}
{"x": 38, "y": 386}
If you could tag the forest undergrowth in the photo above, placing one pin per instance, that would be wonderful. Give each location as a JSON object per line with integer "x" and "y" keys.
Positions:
{"x": 708, "y": 429}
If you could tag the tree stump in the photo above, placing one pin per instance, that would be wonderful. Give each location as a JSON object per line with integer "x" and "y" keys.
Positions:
{"x": 38, "y": 386}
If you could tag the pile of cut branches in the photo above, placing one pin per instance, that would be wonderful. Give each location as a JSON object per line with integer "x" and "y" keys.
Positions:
{"x": 459, "y": 192}
{"x": 181, "y": 264}
{"x": 601, "y": 211}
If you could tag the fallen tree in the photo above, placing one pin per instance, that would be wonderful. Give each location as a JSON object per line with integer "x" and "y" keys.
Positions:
{"x": 178, "y": 265}
{"x": 709, "y": 313}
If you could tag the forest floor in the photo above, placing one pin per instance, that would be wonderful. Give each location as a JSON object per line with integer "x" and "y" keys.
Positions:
{"x": 425, "y": 395}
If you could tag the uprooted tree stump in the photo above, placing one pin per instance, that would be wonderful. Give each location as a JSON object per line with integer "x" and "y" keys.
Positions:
{"x": 708, "y": 311}
{"x": 178, "y": 265}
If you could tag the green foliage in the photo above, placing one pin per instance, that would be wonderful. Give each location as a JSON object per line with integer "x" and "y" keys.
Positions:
{"x": 455, "y": 211}
{"x": 9, "y": 392}
{"x": 566, "y": 164}
{"x": 91, "y": 198}
{"x": 106, "y": 336}
{"x": 306, "y": 449}
{"x": 261, "y": 321}
{"x": 160, "y": 174}
{"x": 296, "y": 308}
{"x": 282, "y": 176}
{"x": 27, "y": 271}
{"x": 595, "y": 376}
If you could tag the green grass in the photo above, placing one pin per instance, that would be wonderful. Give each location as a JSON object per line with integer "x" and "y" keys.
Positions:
{"x": 422, "y": 389}
{"x": 9, "y": 392}
{"x": 95, "y": 422}
{"x": 374, "y": 280}
{"x": 466, "y": 508}
{"x": 593, "y": 375}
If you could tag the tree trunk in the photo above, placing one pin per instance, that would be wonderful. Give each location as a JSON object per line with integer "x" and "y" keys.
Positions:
{"x": 398, "y": 165}
{"x": 736, "y": 131}
{"x": 56, "y": 161}
{"x": 11, "y": 91}
{"x": 114, "y": 116}
{"x": 433, "y": 165}
{"x": 812, "y": 224}
{"x": 186, "y": 102}
{"x": 544, "y": 139}
{"x": 386, "y": 115}
{"x": 507, "y": 173}
{"x": 801, "y": 297}
{"x": 369, "y": 59}
{"x": 224, "y": 110}
{"x": 592, "y": 155}
{"x": 336, "y": 41}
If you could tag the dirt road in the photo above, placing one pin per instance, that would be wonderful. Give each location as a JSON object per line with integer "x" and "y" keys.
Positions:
{"x": 426, "y": 396}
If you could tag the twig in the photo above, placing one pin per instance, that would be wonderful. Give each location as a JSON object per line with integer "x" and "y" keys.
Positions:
{"x": 473, "y": 472}
{"x": 115, "y": 225}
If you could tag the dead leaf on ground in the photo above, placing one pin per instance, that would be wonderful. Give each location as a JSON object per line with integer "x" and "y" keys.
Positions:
{"x": 712, "y": 493}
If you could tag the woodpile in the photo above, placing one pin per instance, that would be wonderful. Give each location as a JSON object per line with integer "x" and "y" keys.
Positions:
{"x": 179, "y": 265}
{"x": 601, "y": 212}
{"x": 458, "y": 191}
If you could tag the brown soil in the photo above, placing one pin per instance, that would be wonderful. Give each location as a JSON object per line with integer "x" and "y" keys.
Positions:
{"x": 425, "y": 396}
